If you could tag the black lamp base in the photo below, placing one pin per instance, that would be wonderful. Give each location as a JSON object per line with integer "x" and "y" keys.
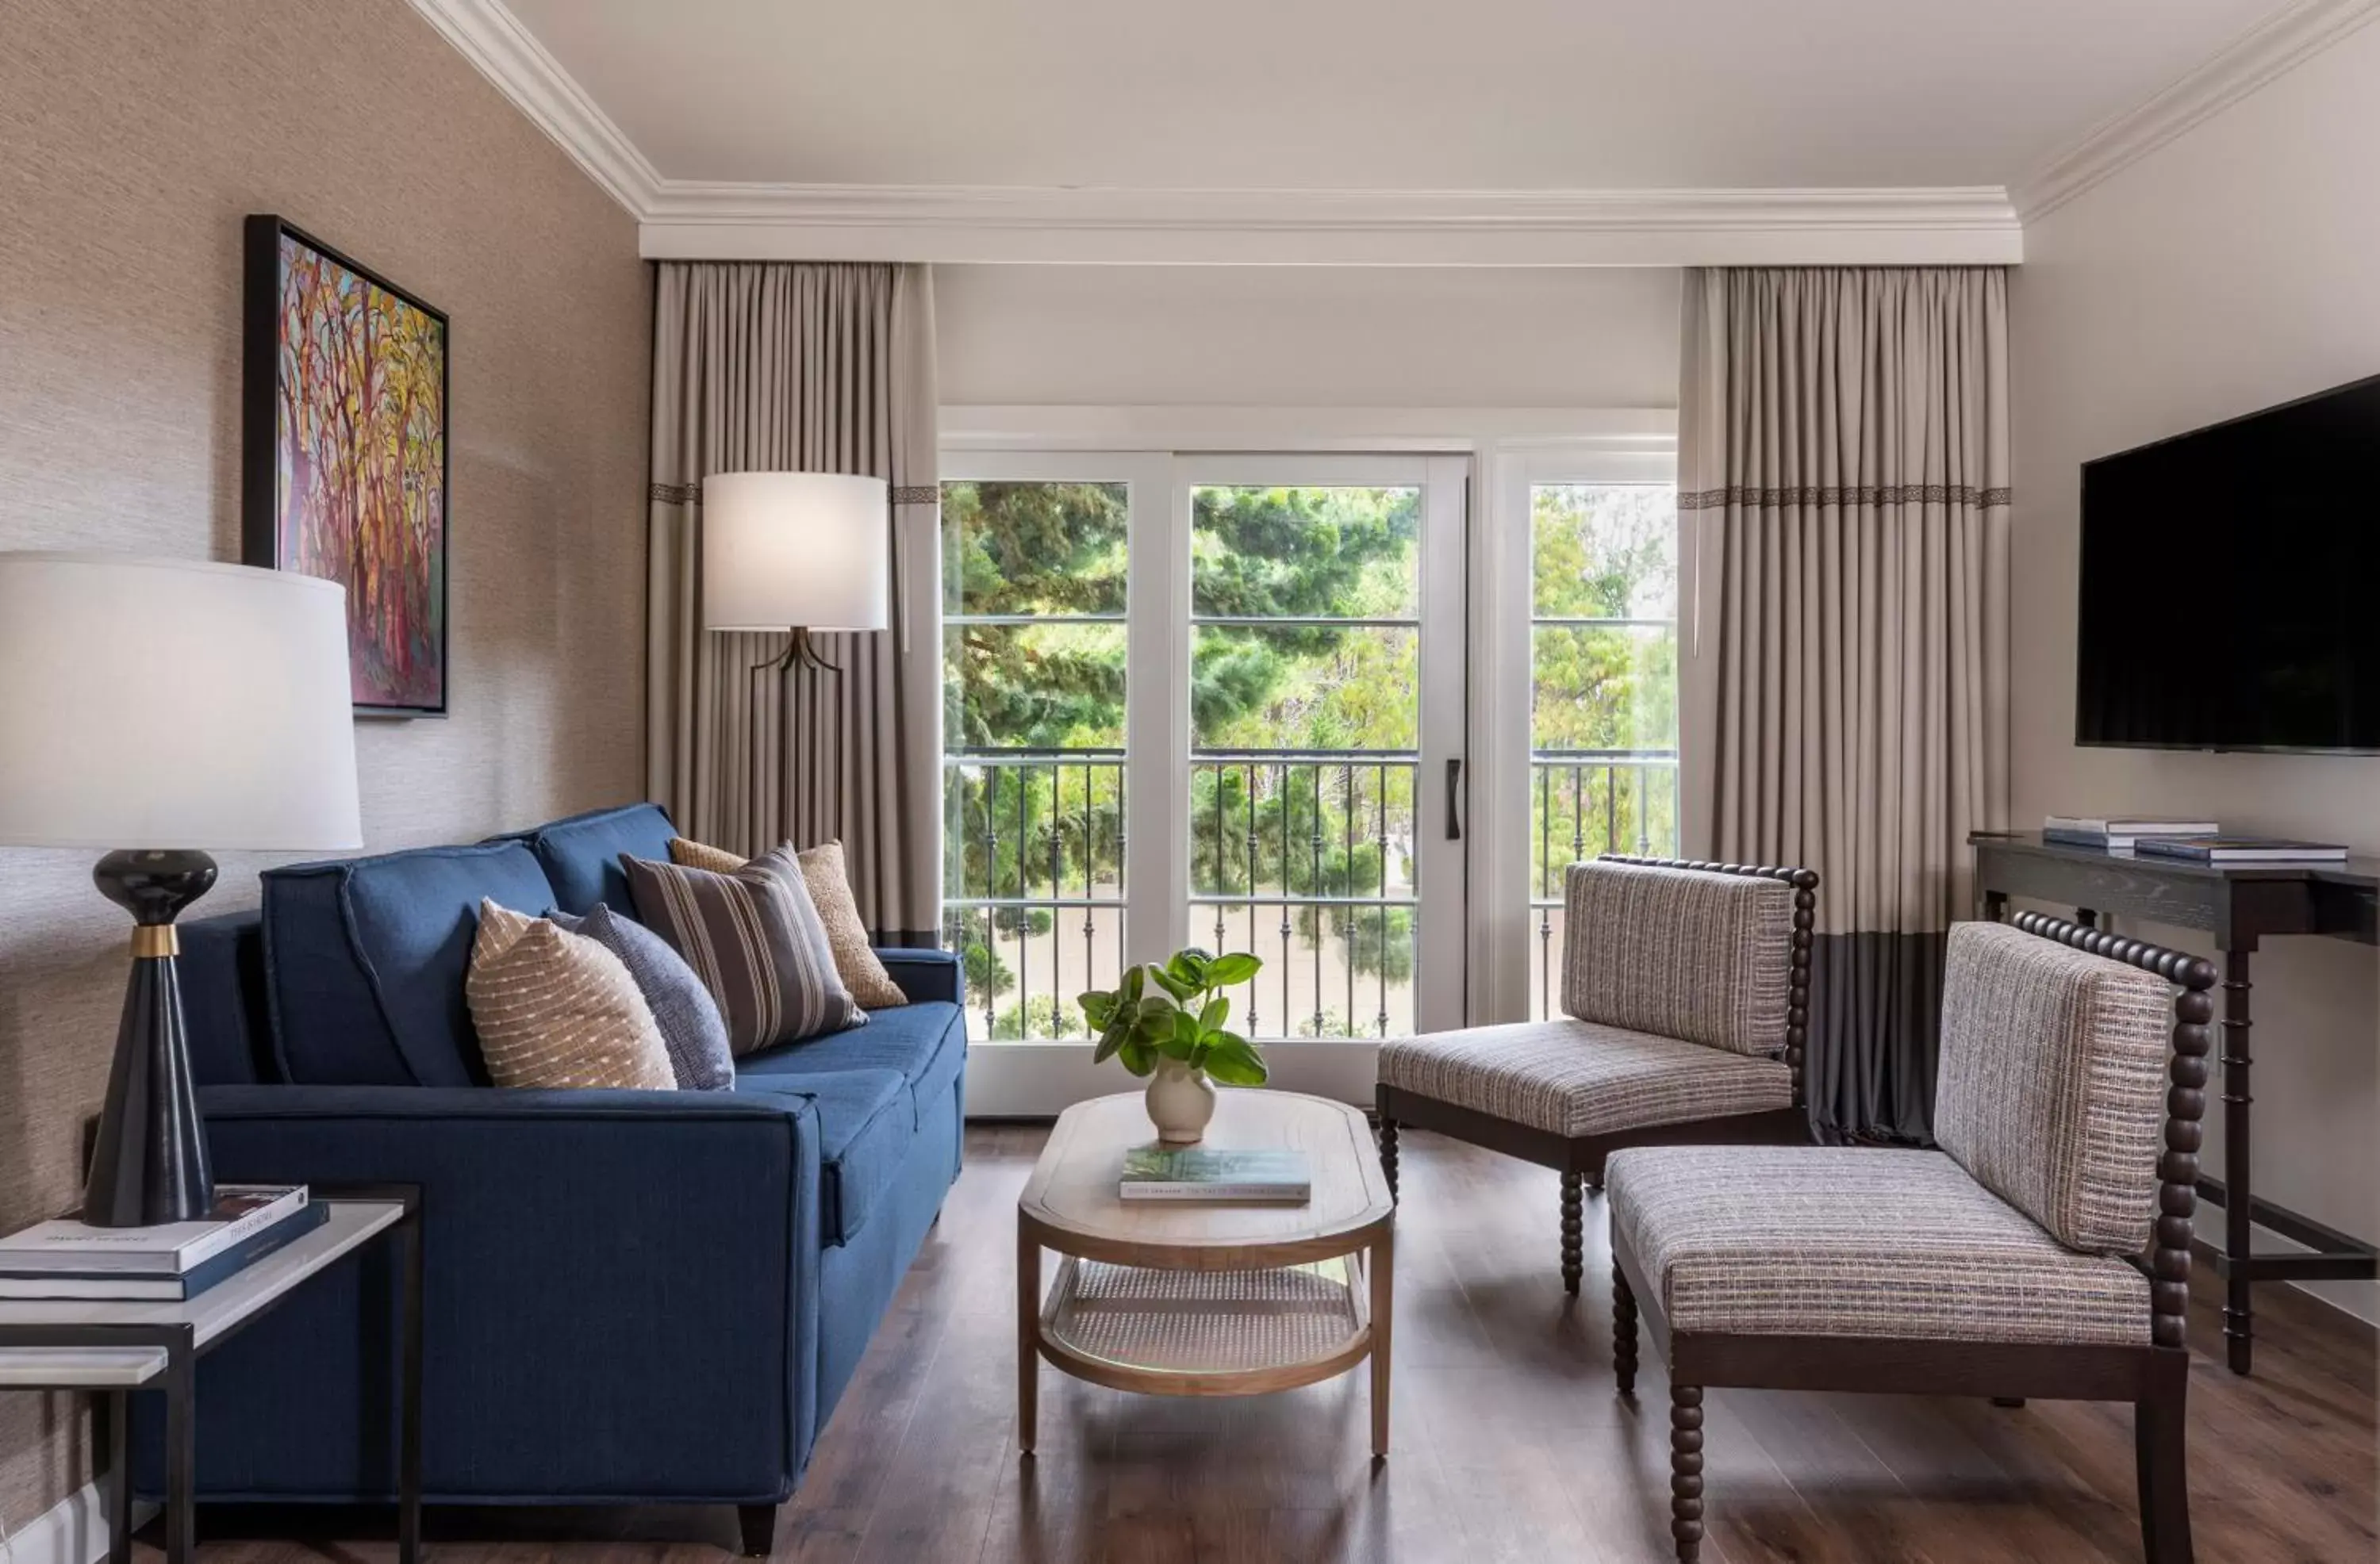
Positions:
{"x": 148, "y": 1163}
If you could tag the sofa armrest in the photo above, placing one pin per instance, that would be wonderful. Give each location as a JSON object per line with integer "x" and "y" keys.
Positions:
{"x": 926, "y": 975}
{"x": 620, "y": 1295}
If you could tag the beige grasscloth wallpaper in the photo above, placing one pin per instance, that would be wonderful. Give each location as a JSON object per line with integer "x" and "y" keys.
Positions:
{"x": 133, "y": 138}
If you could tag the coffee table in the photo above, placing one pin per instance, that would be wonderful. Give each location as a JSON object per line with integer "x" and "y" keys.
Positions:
{"x": 1177, "y": 1298}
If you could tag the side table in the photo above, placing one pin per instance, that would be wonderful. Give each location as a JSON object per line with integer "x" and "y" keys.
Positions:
{"x": 113, "y": 1348}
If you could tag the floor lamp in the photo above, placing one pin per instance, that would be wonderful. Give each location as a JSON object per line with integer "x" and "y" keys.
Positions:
{"x": 797, "y": 553}
{"x": 161, "y": 709}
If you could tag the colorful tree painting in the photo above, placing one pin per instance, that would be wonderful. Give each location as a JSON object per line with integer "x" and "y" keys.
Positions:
{"x": 360, "y": 459}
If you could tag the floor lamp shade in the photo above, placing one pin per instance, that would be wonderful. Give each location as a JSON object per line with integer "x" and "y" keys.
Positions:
{"x": 781, "y": 550}
{"x": 160, "y": 709}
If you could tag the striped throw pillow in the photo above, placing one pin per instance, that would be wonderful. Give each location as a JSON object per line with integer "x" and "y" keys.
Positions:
{"x": 829, "y": 888}
{"x": 755, "y": 941}
{"x": 555, "y": 1008}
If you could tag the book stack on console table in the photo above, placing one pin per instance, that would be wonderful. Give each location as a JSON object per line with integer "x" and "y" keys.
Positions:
{"x": 2118, "y": 833}
{"x": 2215, "y": 849}
{"x": 171, "y": 1263}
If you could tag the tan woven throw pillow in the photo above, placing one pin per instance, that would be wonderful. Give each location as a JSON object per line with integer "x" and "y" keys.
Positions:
{"x": 556, "y": 1009}
{"x": 830, "y": 888}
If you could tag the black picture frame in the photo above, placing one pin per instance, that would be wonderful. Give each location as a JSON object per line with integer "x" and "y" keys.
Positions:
{"x": 260, "y": 389}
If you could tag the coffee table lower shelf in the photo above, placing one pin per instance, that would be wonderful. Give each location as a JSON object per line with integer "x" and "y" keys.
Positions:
{"x": 1206, "y": 1333}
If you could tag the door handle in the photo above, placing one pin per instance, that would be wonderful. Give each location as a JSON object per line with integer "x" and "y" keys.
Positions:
{"x": 1453, "y": 797}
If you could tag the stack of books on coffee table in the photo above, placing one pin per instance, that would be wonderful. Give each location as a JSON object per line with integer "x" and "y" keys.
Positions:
{"x": 2118, "y": 833}
{"x": 174, "y": 1262}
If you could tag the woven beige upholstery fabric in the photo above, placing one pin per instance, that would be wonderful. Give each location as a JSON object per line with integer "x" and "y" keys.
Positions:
{"x": 1579, "y": 1078}
{"x": 1686, "y": 954}
{"x": 855, "y": 958}
{"x": 698, "y": 856}
{"x": 2051, "y": 1090}
{"x": 555, "y": 1008}
{"x": 1829, "y": 1240}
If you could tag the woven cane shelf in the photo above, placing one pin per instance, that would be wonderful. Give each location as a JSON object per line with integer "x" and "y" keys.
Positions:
{"x": 1206, "y": 1333}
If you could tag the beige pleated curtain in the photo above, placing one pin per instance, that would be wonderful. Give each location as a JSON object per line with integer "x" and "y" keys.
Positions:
{"x": 784, "y": 366}
{"x": 1843, "y": 450}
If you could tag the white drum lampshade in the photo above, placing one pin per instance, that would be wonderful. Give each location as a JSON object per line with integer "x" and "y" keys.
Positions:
{"x": 160, "y": 709}
{"x": 782, "y": 550}
{"x": 173, "y": 703}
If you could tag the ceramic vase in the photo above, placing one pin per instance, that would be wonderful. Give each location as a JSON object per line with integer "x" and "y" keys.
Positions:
{"x": 1180, "y": 1101}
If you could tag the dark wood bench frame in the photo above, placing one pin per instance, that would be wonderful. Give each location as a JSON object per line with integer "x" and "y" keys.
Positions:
{"x": 1579, "y": 1159}
{"x": 2154, "y": 1377}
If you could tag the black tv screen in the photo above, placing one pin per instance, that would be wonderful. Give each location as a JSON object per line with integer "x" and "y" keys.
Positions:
{"x": 2231, "y": 584}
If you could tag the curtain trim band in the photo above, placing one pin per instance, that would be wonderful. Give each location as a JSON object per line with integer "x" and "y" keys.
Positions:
{"x": 1739, "y": 495}
{"x": 677, "y": 493}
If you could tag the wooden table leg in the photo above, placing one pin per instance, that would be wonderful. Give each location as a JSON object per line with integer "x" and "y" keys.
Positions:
{"x": 2238, "y": 1233}
{"x": 181, "y": 1450}
{"x": 409, "y": 1426}
{"x": 116, "y": 1407}
{"x": 1028, "y": 1330}
{"x": 1382, "y": 1264}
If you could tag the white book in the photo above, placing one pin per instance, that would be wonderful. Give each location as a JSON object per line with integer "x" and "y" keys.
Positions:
{"x": 2125, "y": 826}
{"x": 166, "y": 1250}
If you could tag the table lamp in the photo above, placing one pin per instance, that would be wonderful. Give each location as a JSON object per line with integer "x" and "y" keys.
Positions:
{"x": 793, "y": 552}
{"x": 159, "y": 708}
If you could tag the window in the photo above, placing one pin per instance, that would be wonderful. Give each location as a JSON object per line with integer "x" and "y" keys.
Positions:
{"x": 1604, "y": 691}
{"x": 1034, "y": 583}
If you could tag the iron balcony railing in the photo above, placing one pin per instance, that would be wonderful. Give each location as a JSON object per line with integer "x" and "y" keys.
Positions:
{"x": 1584, "y": 804}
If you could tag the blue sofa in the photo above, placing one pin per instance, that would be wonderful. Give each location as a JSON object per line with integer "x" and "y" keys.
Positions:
{"x": 630, "y": 1297}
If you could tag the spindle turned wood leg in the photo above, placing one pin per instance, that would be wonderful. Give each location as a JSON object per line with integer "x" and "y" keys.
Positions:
{"x": 2239, "y": 1205}
{"x": 1388, "y": 1152}
{"x": 1573, "y": 1233}
{"x": 1686, "y": 1470}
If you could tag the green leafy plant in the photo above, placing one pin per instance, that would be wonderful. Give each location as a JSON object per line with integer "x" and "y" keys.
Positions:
{"x": 1175, "y": 1010}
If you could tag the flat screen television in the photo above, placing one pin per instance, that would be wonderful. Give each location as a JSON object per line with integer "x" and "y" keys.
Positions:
{"x": 2231, "y": 592}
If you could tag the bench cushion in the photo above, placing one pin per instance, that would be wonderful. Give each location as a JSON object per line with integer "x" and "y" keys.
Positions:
{"x": 1689, "y": 954}
{"x": 1579, "y": 1078}
{"x": 2051, "y": 1087}
{"x": 1828, "y": 1240}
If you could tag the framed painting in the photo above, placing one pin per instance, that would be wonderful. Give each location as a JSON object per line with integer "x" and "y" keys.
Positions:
{"x": 343, "y": 456}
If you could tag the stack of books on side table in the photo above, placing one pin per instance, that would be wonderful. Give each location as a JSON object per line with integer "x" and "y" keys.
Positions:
{"x": 167, "y": 1263}
{"x": 1164, "y": 1172}
{"x": 2214, "y": 849}
{"x": 2120, "y": 834}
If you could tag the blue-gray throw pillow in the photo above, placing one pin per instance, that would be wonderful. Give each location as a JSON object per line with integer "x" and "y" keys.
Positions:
{"x": 690, "y": 1024}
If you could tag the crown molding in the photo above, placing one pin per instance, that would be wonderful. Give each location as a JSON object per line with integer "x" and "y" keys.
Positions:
{"x": 691, "y": 220}
{"x": 2280, "y": 43}
{"x": 686, "y": 219}
{"x": 486, "y": 34}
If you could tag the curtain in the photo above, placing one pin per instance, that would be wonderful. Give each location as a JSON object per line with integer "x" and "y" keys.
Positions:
{"x": 779, "y": 365}
{"x": 1844, "y": 485}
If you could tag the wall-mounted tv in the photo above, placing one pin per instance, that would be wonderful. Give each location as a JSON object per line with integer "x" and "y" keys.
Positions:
{"x": 2231, "y": 584}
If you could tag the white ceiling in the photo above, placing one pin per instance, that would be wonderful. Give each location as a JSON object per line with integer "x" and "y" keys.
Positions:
{"x": 1372, "y": 94}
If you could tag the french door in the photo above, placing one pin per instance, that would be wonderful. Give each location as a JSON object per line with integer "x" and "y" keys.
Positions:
{"x": 1213, "y": 700}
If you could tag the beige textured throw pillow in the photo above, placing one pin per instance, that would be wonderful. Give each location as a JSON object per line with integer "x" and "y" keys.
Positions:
{"x": 830, "y": 888}
{"x": 556, "y": 1009}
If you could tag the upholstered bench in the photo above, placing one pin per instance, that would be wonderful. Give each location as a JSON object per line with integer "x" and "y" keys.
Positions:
{"x": 2007, "y": 1264}
{"x": 1686, "y": 992}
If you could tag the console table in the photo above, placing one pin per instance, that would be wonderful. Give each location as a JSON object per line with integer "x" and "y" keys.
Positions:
{"x": 2241, "y": 905}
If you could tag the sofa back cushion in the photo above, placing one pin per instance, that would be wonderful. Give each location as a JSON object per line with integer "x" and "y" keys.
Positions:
{"x": 582, "y": 854}
{"x": 2051, "y": 1087}
{"x": 1694, "y": 955}
{"x": 365, "y": 961}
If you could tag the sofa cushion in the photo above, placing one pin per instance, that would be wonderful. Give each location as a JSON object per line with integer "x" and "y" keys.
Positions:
{"x": 755, "y": 941}
{"x": 925, "y": 1043}
{"x": 1689, "y": 954}
{"x": 865, "y": 1130}
{"x": 582, "y": 854}
{"x": 365, "y": 961}
{"x": 691, "y": 1026}
{"x": 2052, "y": 1084}
{"x": 223, "y": 1002}
{"x": 1855, "y": 1241}
{"x": 1576, "y": 1078}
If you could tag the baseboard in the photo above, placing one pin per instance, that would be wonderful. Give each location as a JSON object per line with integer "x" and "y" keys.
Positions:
{"x": 73, "y": 1531}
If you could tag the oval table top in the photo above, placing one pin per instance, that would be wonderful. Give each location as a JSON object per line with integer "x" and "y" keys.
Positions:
{"x": 1070, "y": 1203}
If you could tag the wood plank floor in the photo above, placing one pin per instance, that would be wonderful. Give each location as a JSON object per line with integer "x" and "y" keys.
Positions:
{"x": 1509, "y": 1443}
